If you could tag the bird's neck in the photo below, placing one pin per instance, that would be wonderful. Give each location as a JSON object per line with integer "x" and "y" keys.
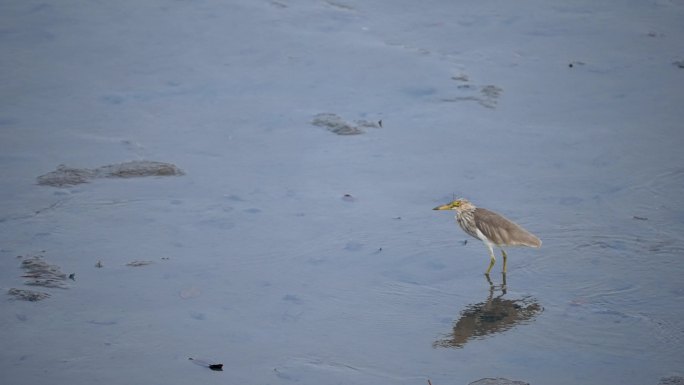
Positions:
{"x": 465, "y": 214}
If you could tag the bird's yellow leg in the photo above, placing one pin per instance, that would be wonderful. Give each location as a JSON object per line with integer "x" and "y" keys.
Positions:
{"x": 492, "y": 259}
{"x": 505, "y": 258}
{"x": 491, "y": 264}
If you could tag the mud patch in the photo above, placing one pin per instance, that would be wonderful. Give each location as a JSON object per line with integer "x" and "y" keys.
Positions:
{"x": 278, "y": 4}
{"x": 68, "y": 176}
{"x": 498, "y": 381}
{"x": 487, "y": 96}
{"x": 676, "y": 380}
{"x": 41, "y": 273}
{"x": 27, "y": 295}
{"x": 139, "y": 263}
{"x": 341, "y": 6}
{"x": 335, "y": 124}
{"x": 65, "y": 176}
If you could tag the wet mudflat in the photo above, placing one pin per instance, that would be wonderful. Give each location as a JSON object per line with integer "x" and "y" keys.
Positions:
{"x": 299, "y": 244}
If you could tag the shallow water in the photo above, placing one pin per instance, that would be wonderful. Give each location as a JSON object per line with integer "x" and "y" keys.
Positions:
{"x": 290, "y": 254}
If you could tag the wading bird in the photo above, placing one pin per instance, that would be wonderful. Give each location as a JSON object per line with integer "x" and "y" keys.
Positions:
{"x": 491, "y": 228}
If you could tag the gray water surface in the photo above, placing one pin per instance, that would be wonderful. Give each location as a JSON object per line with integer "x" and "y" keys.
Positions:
{"x": 295, "y": 250}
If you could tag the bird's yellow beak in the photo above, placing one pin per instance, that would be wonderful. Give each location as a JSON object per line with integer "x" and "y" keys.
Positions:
{"x": 454, "y": 205}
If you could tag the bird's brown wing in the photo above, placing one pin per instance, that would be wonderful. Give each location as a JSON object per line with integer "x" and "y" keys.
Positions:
{"x": 502, "y": 231}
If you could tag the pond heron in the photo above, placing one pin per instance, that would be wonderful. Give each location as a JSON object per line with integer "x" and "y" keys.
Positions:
{"x": 491, "y": 228}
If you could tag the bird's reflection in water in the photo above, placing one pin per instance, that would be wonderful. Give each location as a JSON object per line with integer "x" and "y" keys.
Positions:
{"x": 495, "y": 315}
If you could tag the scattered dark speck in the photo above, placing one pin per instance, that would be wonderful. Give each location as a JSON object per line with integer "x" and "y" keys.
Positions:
{"x": 216, "y": 367}
{"x": 640, "y": 218}
{"x": 465, "y": 242}
{"x": 72, "y": 276}
{"x": 348, "y": 198}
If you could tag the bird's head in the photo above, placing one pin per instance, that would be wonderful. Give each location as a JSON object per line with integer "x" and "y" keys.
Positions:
{"x": 456, "y": 205}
